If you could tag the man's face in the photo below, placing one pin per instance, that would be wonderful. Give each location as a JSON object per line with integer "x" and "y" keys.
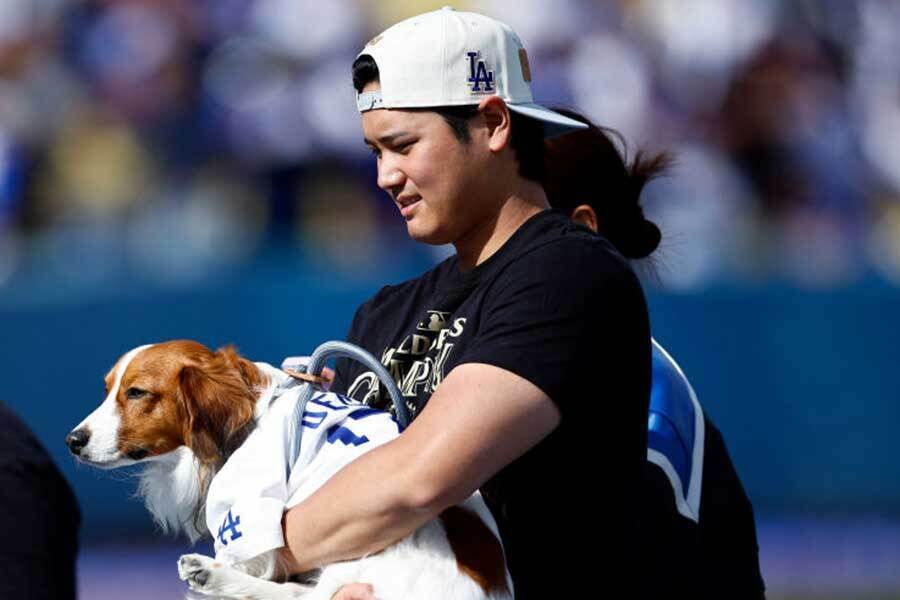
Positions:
{"x": 430, "y": 175}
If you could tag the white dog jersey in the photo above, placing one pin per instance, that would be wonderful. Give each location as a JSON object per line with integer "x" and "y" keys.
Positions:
{"x": 248, "y": 496}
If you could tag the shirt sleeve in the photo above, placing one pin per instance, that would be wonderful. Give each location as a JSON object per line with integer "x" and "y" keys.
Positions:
{"x": 570, "y": 317}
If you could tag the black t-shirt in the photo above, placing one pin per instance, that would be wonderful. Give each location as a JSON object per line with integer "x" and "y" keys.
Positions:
{"x": 558, "y": 306}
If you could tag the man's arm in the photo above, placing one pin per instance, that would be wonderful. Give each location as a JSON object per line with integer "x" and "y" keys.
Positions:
{"x": 480, "y": 419}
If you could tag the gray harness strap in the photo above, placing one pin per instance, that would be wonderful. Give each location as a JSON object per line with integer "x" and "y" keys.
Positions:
{"x": 315, "y": 365}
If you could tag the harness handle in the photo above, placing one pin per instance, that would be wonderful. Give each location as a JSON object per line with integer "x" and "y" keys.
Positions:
{"x": 335, "y": 349}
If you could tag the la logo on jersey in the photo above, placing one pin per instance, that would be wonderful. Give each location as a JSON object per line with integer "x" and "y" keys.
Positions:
{"x": 229, "y": 525}
{"x": 480, "y": 79}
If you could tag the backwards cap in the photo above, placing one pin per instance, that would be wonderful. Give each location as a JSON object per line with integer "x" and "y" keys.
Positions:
{"x": 454, "y": 58}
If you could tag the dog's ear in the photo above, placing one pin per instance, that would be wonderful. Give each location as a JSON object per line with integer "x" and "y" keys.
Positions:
{"x": 218, "y": 407}
{"x": 249, "y": 371}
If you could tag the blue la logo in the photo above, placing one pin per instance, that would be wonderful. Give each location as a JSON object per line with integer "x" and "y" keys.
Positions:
{"x": 479, "y": 75}
{"x": 229, "y": 524}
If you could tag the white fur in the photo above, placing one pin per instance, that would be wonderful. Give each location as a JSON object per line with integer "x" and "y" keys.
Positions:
{"x": 104, "y": 423}
{"x": 170, "y": 486}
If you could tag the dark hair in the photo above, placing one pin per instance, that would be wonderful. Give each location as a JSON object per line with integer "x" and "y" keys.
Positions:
{"x": 585, "y": 167}
{"x": 527, "y": 140}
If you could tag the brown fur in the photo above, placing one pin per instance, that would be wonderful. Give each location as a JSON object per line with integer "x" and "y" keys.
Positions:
{"x": 478, "y": 552}
{"x": 197, "y": 398}
{"x": 219, "y": 405}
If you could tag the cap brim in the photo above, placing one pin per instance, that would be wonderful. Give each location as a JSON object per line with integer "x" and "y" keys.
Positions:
{"x": 554, "y": 123}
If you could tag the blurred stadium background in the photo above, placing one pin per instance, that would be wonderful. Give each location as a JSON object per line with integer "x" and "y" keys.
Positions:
{"x": 195, "y": 169}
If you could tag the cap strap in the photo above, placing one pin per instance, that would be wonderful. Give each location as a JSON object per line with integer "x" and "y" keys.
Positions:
{"x": 369, "y": 101}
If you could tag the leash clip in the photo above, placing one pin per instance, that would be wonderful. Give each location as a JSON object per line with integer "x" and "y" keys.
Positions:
{"x": 319, "y": 381}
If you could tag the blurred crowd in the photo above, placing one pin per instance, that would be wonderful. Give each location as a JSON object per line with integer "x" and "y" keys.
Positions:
{"x": 166, "y": 141}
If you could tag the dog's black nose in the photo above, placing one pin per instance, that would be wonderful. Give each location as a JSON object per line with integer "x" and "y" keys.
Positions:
{"x": 77, "y": 440}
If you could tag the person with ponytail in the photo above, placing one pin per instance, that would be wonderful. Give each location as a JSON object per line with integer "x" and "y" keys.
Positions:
{"x": 699, "y": 536}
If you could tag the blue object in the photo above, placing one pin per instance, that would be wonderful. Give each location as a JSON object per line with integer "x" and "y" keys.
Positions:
{"x": 675, "y": 432}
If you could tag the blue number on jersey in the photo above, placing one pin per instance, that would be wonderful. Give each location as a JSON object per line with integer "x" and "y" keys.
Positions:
{"x": 313, "y": 418}
{"x": 321, "y": 401}
{"x": 340, "y": 433}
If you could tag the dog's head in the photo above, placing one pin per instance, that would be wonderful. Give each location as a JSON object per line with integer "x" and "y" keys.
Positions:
{"x": 162, "y": 396}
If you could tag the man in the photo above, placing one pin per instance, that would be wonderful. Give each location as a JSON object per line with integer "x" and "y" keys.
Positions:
{"x": 525, "y": 358}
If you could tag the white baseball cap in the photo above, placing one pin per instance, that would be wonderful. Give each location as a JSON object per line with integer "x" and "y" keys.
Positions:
{"x": 454, "y": 58}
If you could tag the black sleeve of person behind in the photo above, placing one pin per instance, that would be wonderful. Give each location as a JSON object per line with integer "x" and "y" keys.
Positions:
{"x": 719, "y": 558}
{"x": 670, "y": 541}
{"x": 729, "y": 551}
{"x": 39, "y": 518}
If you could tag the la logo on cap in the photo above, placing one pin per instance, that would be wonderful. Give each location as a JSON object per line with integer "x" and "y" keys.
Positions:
{"x": 467, "y": 42}
{"x": 479, "y": 75}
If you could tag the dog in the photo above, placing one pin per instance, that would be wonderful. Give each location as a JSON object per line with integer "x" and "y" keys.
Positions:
{"x": 189, "y": 414}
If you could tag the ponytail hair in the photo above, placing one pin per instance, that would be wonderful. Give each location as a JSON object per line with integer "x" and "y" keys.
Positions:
{"x": 585, "y": 167}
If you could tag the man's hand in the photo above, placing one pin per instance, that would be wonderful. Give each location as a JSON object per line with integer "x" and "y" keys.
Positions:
{"x": 355, "y": 591}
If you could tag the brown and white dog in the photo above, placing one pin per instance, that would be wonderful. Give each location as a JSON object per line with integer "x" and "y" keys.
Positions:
{"x": 182, "y": 410}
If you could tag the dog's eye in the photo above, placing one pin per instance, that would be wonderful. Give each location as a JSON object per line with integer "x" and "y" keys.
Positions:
{"x": 134, "y": 393}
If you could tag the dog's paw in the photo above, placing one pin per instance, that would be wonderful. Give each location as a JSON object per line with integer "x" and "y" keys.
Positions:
{"x": 198, "y": 571}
